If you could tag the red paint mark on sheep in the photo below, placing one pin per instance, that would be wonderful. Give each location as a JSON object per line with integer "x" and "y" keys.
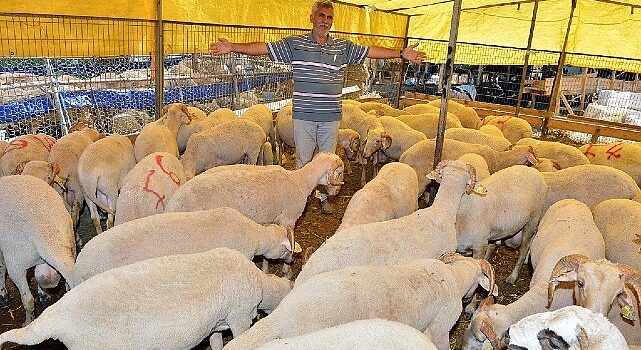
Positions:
{"x": 146, "y": 188}
{"x": 588, "y": 152}
{"x": 14, "y": 145}
{"x": 46, "y": 141}
{"x": 503, "y": 120}
{"x": 615, "y": 151}
{"x": 173, "y": 176}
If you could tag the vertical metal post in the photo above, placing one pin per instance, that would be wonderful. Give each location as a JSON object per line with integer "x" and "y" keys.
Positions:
{"x": 584, "y": 81}
{"x": 57, "y": 101}
{"x": 527, "y": 57}
{"x": 556, "y": 88}
{"x": 403, "y": 65}
{"x": 446, "y": 86}
{"x": 159, "y": 58}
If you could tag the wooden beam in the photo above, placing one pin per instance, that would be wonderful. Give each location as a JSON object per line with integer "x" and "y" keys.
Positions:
{"x": 556, "y": 88}
{"x": 566, "y": 104}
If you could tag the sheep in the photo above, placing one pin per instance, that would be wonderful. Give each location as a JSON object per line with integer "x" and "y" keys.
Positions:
{"x": 391, "y": 194}
{"x": 3, "y": 144}
{"x": 619, "y": 221}
{"x": 492, "y": 130}
{"x": 24, "y": 149}
{"x": 468, "y": 116}
{"x": 513, "y": 128}
{"x": 363, "y": 334}
{"x": 422, "y": 108}
{"x": 478, "y": 163}
{"x": 182, "y": 233}
{"x": 262, "y": 115}
{"x": 546, "y": 165}
{"x": 162, "y": 135}
{"x": 590, "y": 184}
{"x": 573, "y": 326}
{"x": 381, "y": 109}
{"x": 147, "y": 187}
{"x": 371, "y": 132}
{"x": 48, "y": 172}
{"x": 230, "y": 142}
{"x": 186, "y": 130}
{"x": 403, "y": 137}
{"x": 478, "y": 137}
{"x": 565, "y": 155}
{"x": 425, "y": 294}
{"x": 426, "y": 233}
{"x": 252, "y": 192}
{"x": 484, "y": 218}
{"x": 129, "y": 122}
{"x": 66, "y": 154}
{"x": 101, "y": 169}
{"x": 428, "y": 123}
{"x": 623, "y": 156}
{"x": 566, "y": 228}
{"x": 421, "y": 156}
{"x": 349, "y": 140}
{"x": 158, "y": 303}
{"x": 35, "y": 229}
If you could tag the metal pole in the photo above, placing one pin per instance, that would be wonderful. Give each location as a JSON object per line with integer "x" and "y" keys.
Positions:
{"x": 446, "y": 85}
{"x": 159, "y": 60}
{"x": 57, "y": 101}
{"x": 403, "y": 65}
{"x": 556, "y": 88}
{"x": 527, "y": 57}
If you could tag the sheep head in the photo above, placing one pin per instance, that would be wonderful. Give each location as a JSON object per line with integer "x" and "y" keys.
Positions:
{"x": 48, "y": 172}
{"x": 177, "y": 113}
{"x": 524, "y": 155}
{"x": 487, "y": 277}
{"x": 334, "y": 177}
{"x": 472, "y": 184}
{"x": 486, "y": 325}
{"x": 564, "y": 270}
{"x": 376, "y": 140}
{"x": 350, "y": 141}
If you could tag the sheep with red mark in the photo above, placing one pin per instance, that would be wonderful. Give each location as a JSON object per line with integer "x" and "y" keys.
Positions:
{"x": 23, "y": 149}
{"x": 621, "y": 155}
{"x": 147, "y": 188}
{"x": 565, "y": 155}
{"x": 186, "y": 130}
{"x": 162, "y": 135}
{"x": 467, "y": 115}
{"x": 513, "y": 128}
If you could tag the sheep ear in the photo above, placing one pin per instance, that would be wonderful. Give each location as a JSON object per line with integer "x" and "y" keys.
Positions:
{"x": 484, "y": 282}
{"x": 165, "y": 109}
{"x": 386, "y": 140}
{"x": 19, "y": 168}
{"x": 625, "y": 302}
{"x": 532, "y": 158}
{"x": 582, "y": 337}
{"x": 290, "y": 245}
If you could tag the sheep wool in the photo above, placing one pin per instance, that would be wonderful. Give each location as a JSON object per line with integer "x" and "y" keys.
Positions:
{"x": 565, "y": 155}
{"x": 467, "y": 115}
{"x": 621, "y": 155}
{"x": 513, "y": 128}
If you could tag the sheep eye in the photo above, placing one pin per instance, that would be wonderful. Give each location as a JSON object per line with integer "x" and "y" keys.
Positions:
{"x": 580, "y": 283}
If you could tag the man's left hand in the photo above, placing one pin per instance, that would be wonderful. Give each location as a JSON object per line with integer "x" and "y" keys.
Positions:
{"x": 412, "y": 55}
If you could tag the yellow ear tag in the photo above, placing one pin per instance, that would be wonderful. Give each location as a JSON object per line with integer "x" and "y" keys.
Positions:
{"x": 626, "y": 312}
{"x": 297, "y": 248}
{"x": 488, "y": 348}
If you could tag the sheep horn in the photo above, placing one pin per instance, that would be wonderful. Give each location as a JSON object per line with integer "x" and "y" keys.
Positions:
{"x": 632, "y": 277}
{"x": 488, "y": 270}
{"x": 451, "y": 257}
{"x": 331, "y": 179}
{"x": 490, "y": 334}
{"x": 487, "y": 302}
{"x": 437, "y": 173}
{"x": 564, "y": 265}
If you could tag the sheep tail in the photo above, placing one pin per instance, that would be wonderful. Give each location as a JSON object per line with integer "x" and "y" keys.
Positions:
{"x": 31, "y": 334}
{"x": 91, "y": 194}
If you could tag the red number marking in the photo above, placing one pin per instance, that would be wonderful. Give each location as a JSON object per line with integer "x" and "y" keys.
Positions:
{"x": 161, "y": 198}
{"x": 588, "y": 151}
{"x": 615, "y": 151}
{"x": 173, "y": 176}
{"x": 47, "y": 142}
{"x": 14, "y": 145}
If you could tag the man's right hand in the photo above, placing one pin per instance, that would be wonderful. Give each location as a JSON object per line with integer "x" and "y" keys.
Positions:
{"x": 221, "y": 47}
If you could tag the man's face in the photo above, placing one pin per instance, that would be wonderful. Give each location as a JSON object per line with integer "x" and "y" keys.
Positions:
{"x": 322, "y": 20}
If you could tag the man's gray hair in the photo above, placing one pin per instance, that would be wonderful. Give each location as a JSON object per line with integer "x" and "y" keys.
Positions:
{"x": 322, "y": 4}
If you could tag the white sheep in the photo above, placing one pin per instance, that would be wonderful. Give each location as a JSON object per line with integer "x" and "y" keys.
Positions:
{"x": 182, "y": 233}
{"x": 170, "y": 302}
{"x": 162, "y": 135}
{"x": 590, "y": 184}
{"x": 546, "y": 165}
{"x": 481, "y": 219}
{"x": 467, "y": 115}
{"x": 23, "y": 149}
{"x": 421, "y": 108}
{"x": 619, "y": 221}
{"x": 421, "y": 156}
{"x": 262, "y": 115}
{"x": 478, "y": 137}
{"x": 147, "y": 188}
{"x": 230, "y": 142}
{"x": 566, "y": 228}
{"x": 427, "y": 123}
{"x": 621, "y": 155}
{"x": 381, "y": 109}
{"x": 478, "y": 163}
{"x": 513, "y": 128}
{"x": 425, "y": 294}
{"x": 48, "y": 172}
{"x": 565, "y": 155}
{"x": 101, "y": 169}
{"x": 403, "y": 137}
{"x": 35, "y": 229}
{"x": 264, "y": 194}
{"x": 573, "y": 326}
{"x": 363, "y": 334}
{"x": 491, "y": 130}
{"x": 426, "y": 233}
{"x": 66, "y": 154}
{"x": 391, "y": 194}
{"x": 186, "y": 130}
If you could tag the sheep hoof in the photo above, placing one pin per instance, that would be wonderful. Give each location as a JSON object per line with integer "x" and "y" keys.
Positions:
{"x": 4, "y": 300}
{"x": 510, "y": 281}
{"x": 326, "y": 208}
{"x": 469, "y": 311}
{"x": 43, "y": 299}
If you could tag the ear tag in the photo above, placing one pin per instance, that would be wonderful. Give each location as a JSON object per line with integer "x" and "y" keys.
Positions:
{"x": 297, "y": 248}
{"x": 626, "y": 312}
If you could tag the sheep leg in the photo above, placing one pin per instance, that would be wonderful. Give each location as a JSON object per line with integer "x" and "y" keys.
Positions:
{"x": 216, "y": 341}
{"x": 43, "y": 297}
{"x": 4, "y": 300}
{"x": 363, "y": 172}
{"x": 528, "y": 232}
{"x": 491, "y": 247}
{"x": 265, "y": 267}
{"x": 348, "y": 167}
{"x": 95, "y": 216}
{"x": 239, "y": 323}
{"x": 287, "y": 271}
{"x": 19, "y": 277}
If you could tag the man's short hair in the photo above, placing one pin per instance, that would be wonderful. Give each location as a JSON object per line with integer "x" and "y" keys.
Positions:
{"x": 322, "y": 4}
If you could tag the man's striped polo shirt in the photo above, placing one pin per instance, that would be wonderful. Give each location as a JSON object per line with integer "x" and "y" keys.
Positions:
{"x": 318, "y": 73}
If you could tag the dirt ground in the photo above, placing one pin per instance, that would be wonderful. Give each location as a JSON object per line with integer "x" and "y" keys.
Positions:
{"x": 312, "y": 229}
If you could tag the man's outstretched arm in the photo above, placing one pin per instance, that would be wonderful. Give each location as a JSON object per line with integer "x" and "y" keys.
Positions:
{"x": 407, "y": 53}
{"x": 225, "y": 46}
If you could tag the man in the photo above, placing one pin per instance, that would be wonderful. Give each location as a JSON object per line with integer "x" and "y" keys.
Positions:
{"x": 318, "y": 62}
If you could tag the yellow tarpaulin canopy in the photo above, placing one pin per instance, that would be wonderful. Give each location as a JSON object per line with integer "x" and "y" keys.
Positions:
{"x": 490, "y": 31}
